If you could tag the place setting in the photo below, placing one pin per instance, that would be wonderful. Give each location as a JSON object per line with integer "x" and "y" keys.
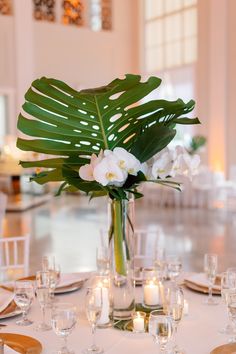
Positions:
{"x": 17, "y": 300}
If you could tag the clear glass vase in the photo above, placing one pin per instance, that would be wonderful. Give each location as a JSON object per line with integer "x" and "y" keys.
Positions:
{"x": 121, "y": 242}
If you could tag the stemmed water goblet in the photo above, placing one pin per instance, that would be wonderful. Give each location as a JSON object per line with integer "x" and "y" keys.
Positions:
{"x": 161, "y": 329}
{"x": 49, "y": 264}
{"x": 228, "y": 286}
{"x": 174, "y": 267}
{"x": 102, "y": 257}
{"x": 210, "y": 269}
{"x": 64, "y": 319}
{"x": 23, "y": 297}
{"x": 43, "y": 296}
{"x": 232, "y": 276}
{"x": 93, "y": 305}
{"x": 174, "y": 307}
{"x": 231, "y": 303}
{"x": 159, "y": 262}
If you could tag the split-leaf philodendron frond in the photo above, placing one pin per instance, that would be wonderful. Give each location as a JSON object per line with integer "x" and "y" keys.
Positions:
{"x": 72, "y": 125}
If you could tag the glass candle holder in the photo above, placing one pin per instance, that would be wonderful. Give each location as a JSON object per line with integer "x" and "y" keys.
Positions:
{"x": 103, "y": 282}
{"x": 152, "y": 296}
{"x": 138, "y": 319}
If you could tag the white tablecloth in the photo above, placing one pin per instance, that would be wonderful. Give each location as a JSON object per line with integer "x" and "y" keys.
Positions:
{"x": 198, "y": 332}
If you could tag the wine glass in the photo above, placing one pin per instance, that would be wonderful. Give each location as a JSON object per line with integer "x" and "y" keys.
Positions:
{"x": 102, "y": 257}
{"x": 174, "y": 267}
{"x": 43, "y": 296}
{"x": 160, "y": 261}
{"x": 174, "y": 307}
{"x": 161, "y": 328}
{"x": 228, "y": 285}
{"x": 23, "y": 297}
{"x": 55, "y": 275}
{"x": 93, "y": 305}
{"x": 210, "y": 269}
{"x": 232, "y": 276}
{"x": 64, "y": 319}
{"x": 231, "y": 303}
{"x": 49, "y": 264}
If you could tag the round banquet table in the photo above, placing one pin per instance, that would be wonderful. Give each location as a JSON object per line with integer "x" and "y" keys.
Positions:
{"x": 198, "y": 332}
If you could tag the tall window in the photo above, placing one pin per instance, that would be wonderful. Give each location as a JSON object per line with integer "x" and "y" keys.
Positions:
{"x": 170, "y": 33}
{"x": 100, "y": 15}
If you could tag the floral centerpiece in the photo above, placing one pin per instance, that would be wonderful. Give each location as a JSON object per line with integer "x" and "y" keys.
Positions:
{"x": 105, "y": 141}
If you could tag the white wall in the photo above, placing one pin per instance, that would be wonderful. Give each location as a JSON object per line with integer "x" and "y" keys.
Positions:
{"x": 216, "y": 80}
{"x": 83, "y": 57}
{"x": 79, "y": 56}
{"x": 231, "y": 89}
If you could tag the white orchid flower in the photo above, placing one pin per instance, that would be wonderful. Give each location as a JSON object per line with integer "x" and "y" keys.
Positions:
{"x": 107, "y": 172}
{"x": 185, "y": 164}
{"x": 127, "y": 161}
{"x": 86, "y": 172}
{"x": 96, "y": 159}
{"x": 110, "y": 156}
{"x": 146, "y": 169}
{"x": 163, "y": 165}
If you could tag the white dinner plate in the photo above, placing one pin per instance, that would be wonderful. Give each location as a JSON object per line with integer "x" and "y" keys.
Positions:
{"x": 14, "y": 313}
{"x": 69, "y": 288}
{"x": 198, "y": 282}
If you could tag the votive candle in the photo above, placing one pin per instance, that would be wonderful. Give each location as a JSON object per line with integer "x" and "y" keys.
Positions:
{"x": 139, "y": 321}
{"x": 151, "y": 293}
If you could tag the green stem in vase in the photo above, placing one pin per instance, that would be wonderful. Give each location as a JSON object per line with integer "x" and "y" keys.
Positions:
{"x": 125, "y": 220}
{"x": 118, "y": 237}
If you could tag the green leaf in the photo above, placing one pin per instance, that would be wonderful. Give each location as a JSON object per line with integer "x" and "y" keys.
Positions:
{"x": 97, "y": 194}
{"x": 72, "y": 125}
{"x": 196, "y": 143}
{"x": 134, "y": 180}
{"x": 152, "y": 141}
{"x": 185, "y": 120}
{"x": 168, "y": 183}
{"x": 61, "y": 188}
{"x": 48, "y": 176}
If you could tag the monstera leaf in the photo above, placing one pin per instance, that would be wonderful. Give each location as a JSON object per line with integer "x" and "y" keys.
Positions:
{"x": 72, "y": 125}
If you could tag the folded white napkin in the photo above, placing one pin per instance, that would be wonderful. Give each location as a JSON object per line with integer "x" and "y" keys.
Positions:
{"x": 8, "y": 350}
{"x": 70, "y": 278}
{"x": 200, "y": 279}
{"x": 6, "y": 298}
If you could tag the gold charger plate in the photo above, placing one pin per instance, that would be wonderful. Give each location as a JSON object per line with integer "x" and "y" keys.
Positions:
{"x": 200, "y": 288}
{"x": 22, "y": 344}
{"x": 225, "y": 349}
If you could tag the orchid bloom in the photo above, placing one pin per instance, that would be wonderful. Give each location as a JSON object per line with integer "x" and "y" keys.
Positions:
{"x": 184, "y": 163}
{"x": 163, "y": 165}
{"x": 107, "y": 172}
{"x": 86, "y": 171}
{"x": 127, "y": 161}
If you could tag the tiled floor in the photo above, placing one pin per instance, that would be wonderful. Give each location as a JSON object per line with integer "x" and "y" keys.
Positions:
{"x": 69, "y": 228}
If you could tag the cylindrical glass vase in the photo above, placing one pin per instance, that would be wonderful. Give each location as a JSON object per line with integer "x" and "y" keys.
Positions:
{"x": 121, "y": 242}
